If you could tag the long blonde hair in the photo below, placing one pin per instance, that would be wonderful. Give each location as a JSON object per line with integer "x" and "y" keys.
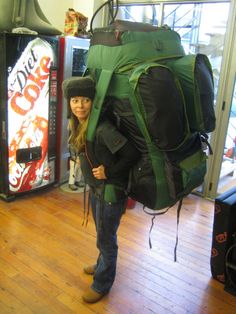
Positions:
{"x": 77, "y": 136}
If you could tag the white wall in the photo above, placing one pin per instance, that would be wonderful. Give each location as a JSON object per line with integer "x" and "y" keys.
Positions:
{"x": 54, "y": 10}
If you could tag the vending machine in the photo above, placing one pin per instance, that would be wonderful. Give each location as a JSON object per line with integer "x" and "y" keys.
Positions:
{"x": 73, "y": 54}
{"x": 28, "y": 111}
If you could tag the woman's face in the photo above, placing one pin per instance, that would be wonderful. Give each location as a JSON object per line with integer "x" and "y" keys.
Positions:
{"x": 81, "y": 106}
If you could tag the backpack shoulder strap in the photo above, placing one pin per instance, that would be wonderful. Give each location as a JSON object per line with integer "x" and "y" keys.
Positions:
{"x": 101, "y": 90}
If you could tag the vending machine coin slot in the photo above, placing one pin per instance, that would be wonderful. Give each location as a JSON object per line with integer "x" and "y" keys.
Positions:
{"x": 25, "y": 155}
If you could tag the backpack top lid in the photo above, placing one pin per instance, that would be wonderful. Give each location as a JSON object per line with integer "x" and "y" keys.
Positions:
{"x": 122, "y": 26}
{"x": 125, "y": 43}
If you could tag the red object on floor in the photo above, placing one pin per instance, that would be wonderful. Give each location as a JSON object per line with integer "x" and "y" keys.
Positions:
{"x": 131, "y": 203}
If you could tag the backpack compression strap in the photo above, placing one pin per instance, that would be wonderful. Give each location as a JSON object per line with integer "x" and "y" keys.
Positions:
{"x": 153, "y": 152}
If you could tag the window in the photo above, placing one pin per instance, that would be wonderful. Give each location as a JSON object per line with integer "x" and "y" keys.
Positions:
{"x": 139, "y": 13}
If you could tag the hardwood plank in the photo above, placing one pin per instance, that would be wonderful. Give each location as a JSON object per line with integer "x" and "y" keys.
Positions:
{"x": 44, "y": 247}
{"x": 10, "y": 296}
{"x": 5, "y": 309}
{"x": 74, "y": 304}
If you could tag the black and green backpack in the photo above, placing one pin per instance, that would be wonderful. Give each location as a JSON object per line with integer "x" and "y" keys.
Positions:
{"x": 163, "y": 101}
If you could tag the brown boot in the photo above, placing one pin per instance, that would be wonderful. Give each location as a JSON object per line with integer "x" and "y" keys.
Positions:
{"x": 90, "y": 270}
{"x": 91, "y": 296}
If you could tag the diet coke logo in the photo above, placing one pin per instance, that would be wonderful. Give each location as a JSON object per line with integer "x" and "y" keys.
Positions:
{"x": 28, "y": 82}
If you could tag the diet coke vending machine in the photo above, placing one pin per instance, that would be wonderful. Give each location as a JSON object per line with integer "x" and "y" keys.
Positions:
{"x": 28, "y": 109}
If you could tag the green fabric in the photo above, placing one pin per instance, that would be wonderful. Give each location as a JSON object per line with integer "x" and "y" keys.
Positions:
{"x": 117, "y": 69}
{"x": 113, "y": 193}
{"x": 137, "y": 47}
{"x": 193, "y": 170}
{"x": 119, "y": 86}
{"x": 101, "y": 89}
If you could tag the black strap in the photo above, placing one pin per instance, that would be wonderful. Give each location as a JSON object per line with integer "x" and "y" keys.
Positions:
{"x": 150, "y": 242}
{"x": 127, "y": 191}
{"x": 84, "y": 202}
{"x": 177, "y": 229}
{"x": 161, "y": 212}
{"x": 88, "y": 208}
{"x": 100, "y": 198}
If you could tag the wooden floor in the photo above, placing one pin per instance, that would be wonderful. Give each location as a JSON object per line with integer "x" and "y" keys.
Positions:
{"x": 43, "y": 248}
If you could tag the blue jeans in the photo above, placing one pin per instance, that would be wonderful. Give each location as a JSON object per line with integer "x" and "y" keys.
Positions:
{"x": 107, "y": 219}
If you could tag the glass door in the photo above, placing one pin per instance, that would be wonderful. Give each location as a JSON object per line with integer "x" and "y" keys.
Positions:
{"x": 227, "y": 178}
{"x": 222, "y": 164}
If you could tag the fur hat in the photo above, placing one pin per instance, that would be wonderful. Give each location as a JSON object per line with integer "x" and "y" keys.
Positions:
{"x": 78, "y": 86}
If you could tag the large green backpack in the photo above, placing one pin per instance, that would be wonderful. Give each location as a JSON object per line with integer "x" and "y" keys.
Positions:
{"x": 163, "y": 102}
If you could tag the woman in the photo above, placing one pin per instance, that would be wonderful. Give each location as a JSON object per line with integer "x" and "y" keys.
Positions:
{"x": 113, "y": 156}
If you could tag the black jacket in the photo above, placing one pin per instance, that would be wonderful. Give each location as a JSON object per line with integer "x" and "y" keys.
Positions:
{"x": 112, "y": 150}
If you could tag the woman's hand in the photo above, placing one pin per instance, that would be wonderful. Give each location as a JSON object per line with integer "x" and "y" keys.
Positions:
{"x": 99, "y": 172}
